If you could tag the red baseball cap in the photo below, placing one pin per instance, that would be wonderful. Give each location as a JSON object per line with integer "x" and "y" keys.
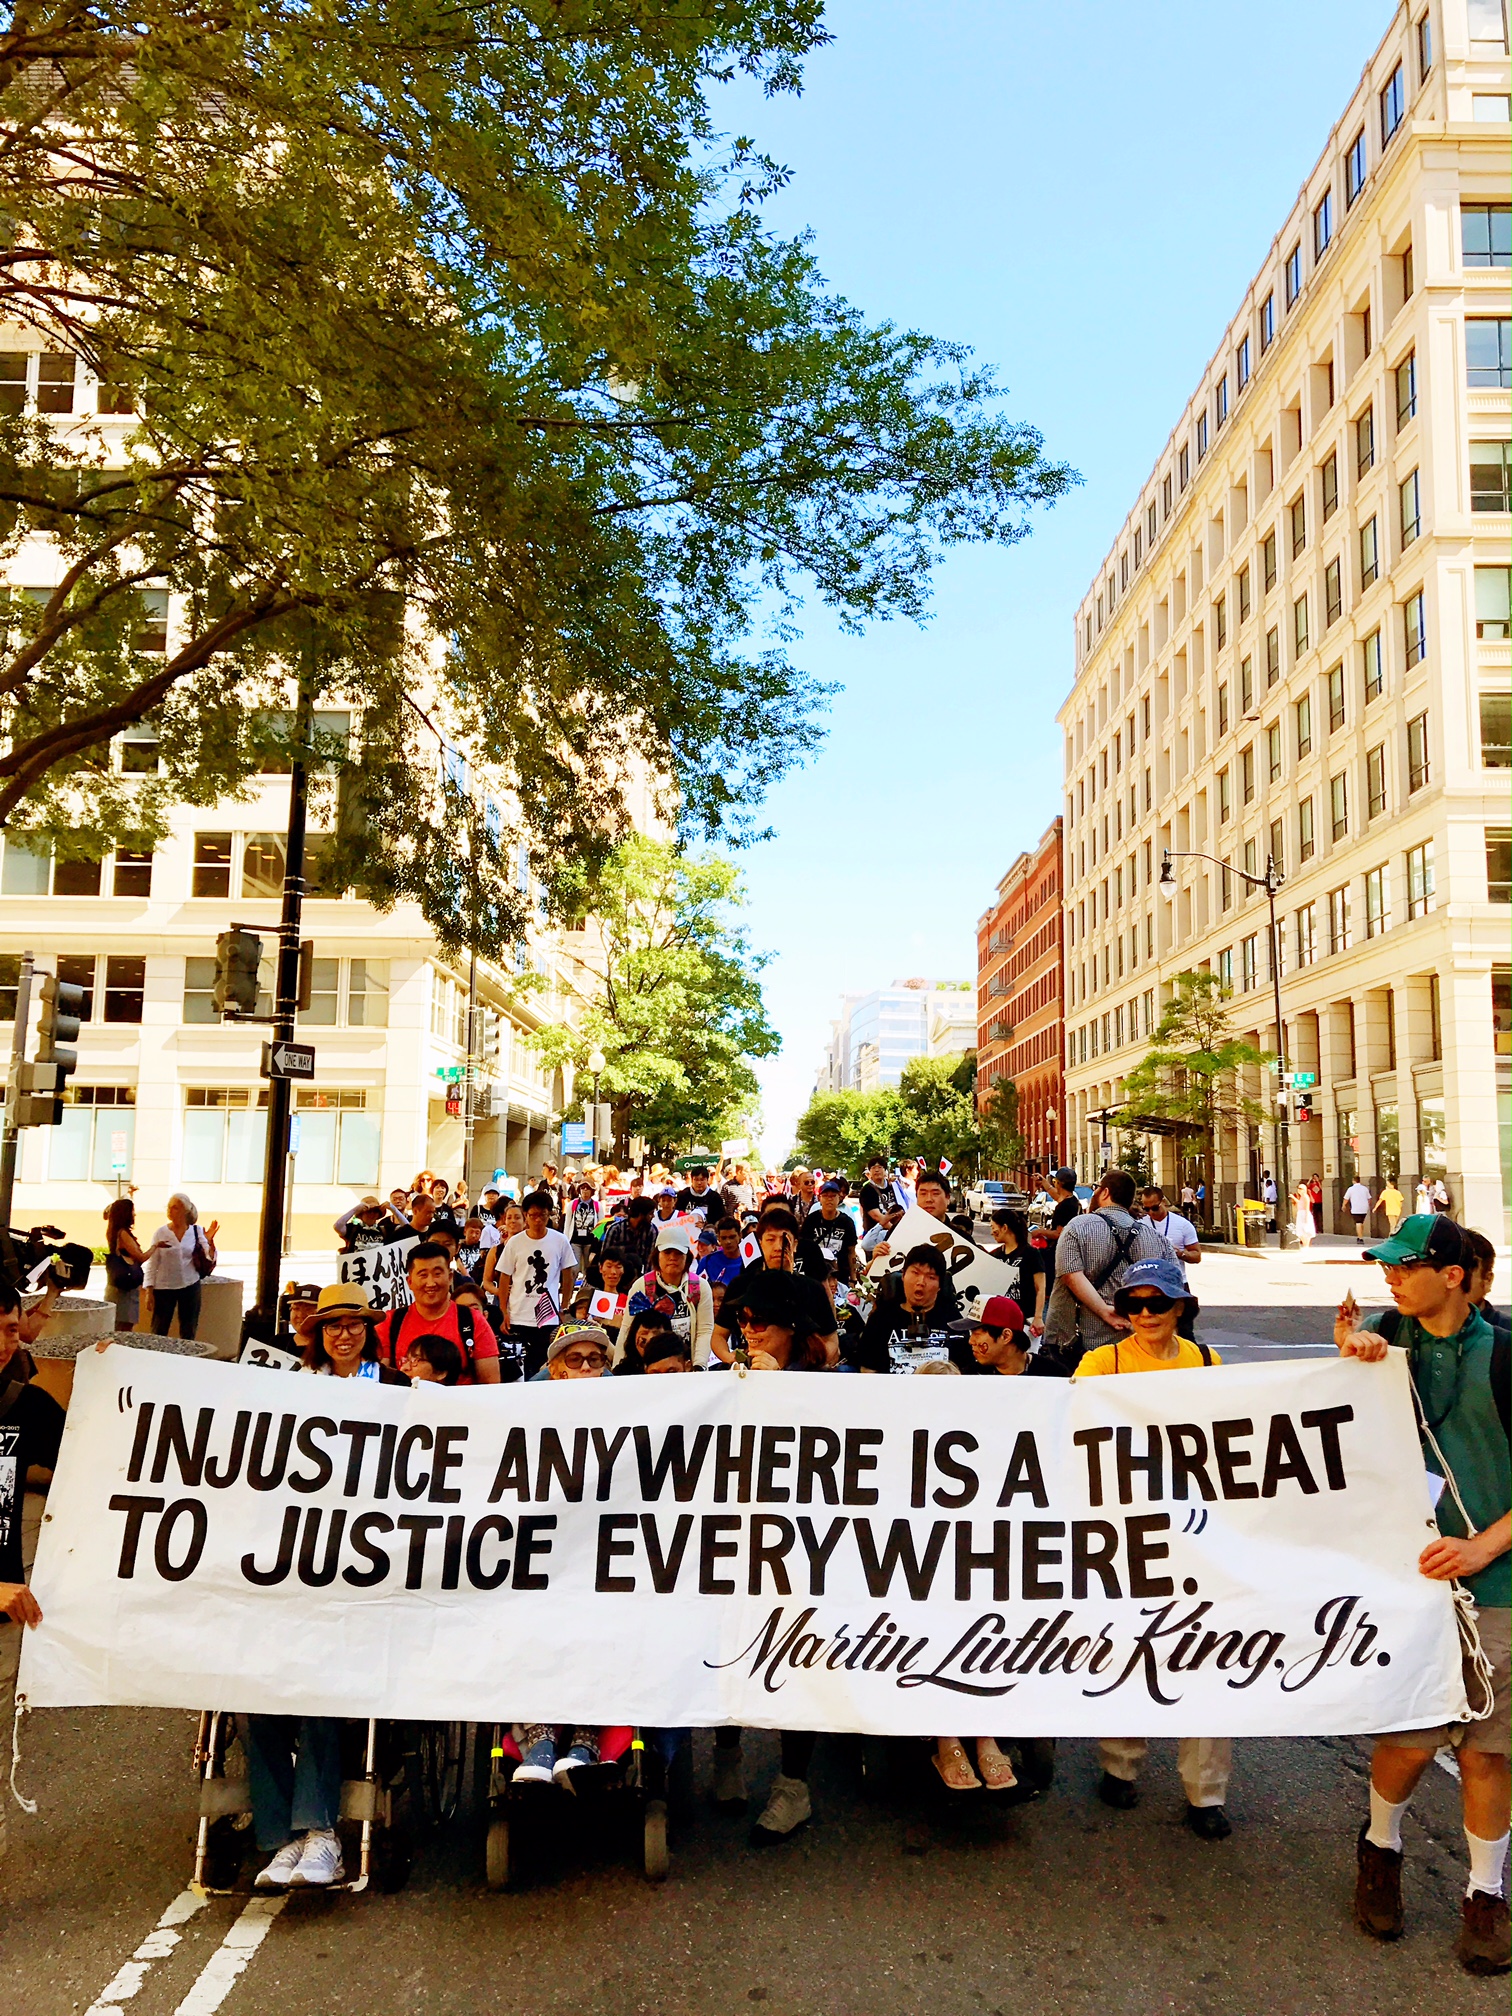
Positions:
{"x": 998, "y": 1312}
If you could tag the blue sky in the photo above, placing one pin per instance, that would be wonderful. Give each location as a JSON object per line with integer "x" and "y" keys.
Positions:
{"x": 1081, "y": 191}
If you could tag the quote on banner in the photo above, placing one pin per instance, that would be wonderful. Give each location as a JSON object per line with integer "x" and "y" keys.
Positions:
{"x": 1229, "y": 1551}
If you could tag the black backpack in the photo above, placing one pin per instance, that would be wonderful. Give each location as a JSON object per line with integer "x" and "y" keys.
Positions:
{"x": 1501, "y": 1360}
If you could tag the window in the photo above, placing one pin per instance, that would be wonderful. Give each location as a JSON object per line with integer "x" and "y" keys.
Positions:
{"x": 125, "y": 987}
{"x": 1184, "y": 466}
{"x": 1338, "y": 804}
{"x": 212, "y": 865}
{"x": 263, "y": 865}
{"x": 1499, "y": 864}
{"x": 1246, "y": 685}
{"x": 1150, "y": 524}
{"x": 1424, "y": 47}
{"x": 1355, "y": 168}
{"x": 1298, "y": 525}
{"x": 1366, "y": 344}
{"x": 1375, "y": 781}
{"x": 1335, "y": 685}
{"x": 1493, "y": 601}
{"x": 1406, "y": 389}
{"x": 1273, "y": 752}
{"x": 1299, "y": 626}
{"x": 325, "y": 994}
{"x": 1249, "y": 963}
{"x": 1488, "y": 475}
{"x": 151, "y": 633}
{"x": 1323, "y": 225}
{"x": 1268, "y": 560}
{"x": 1333, "y": 594}
{"x": 1488, "y": 352}
{"x": 1225, "y": 887}
{"x": 1420, "y": 880}
{"x": 225, "y": 1131}
{"x": 76, "y": 878}
{"x": 1496, "y": 731}
{"x": 139, "y": 752}
{"x": 1225, "y": 803}
{"x": 1415, "y": 619}
{"x": 1226, "y": 969}
{"x": 1365, "y": 441}
{"x": 1278, "y": 845}
{"x": 1250, "y": 865}
{"x": 1138, "y": 547}
{"x": 27, "y": 870}
{"x": 1375, "y": 902}
{"x": 1305, "y": 845}
{"x": 1330, "y": 487}
{"x": 1220, "y": 620}
{"x": 368, "y": 994}
{"x": 55, "y": 382}
{"x": 1338, "y": 920}
{"x": 1244, "y": 594}
{"x": 1202, "y": 435}
{"x": 1486, "y": 234}
{"x": 79, "y": 971}
{"x": 1247, "y": 774}
{"x": 1303, "y": 713}
{"x": 1417, "y": 753}
{"x": 1220, "y": 402}
{"x": 199, "y": 981}
{"x": 1370, "y": 555}
{"x": 1393, "y": 104}
{"x": 1412, "y": 520}
{"x": 1242, "y": 363}
{"x": 1488, "y": 25}
{"x": 1375, "y": 675}
{"x": 93, "y": 1142}
{"x": 1267, "y": 323}
{"x": 1124, "y": 571}
{"x": 1223, "y": 708}
{"x": 13, "y": 381}
{"x": 1307, "y": 934}
{"x": 1272, "y": 658}
{"x": 1491, "y": 108}
{"x": 133, "y": 874}
{"x": 1165, "y": 499}
{"x": 1293, "y": 273}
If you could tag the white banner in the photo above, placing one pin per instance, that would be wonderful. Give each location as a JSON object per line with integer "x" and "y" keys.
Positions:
{"x": 381, "y": 1270}
{"x": 1223, "y": 1552}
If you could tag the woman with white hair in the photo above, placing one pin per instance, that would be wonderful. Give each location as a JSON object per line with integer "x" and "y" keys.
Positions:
{"x": 181, "y": 1254}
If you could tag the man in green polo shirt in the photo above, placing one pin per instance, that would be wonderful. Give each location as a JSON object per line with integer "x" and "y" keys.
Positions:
{"x": 1460, "y": 1373}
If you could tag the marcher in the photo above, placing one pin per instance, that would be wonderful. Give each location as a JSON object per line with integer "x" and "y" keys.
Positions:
{"x": 1460, "y": 1379}
{"x": 1092, "y": 1256}
{"x": 1030, "y": 1286}
{"x": 829, "y": 1231}
{"x": 433, "y": 1313}
{"x": 1149, "y": 1300}
{"x": 342, "y": 1337}
{"x": 31, "y": 1431}
{"x": 777, "y": 1239}
{"x": 1067, "y": 1206}
{"x": 1179, "y": 1233}
{"x": 535, "y": 1273}
{"x": 682, "y": 1297}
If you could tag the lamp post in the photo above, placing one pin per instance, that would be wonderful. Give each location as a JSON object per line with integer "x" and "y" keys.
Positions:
{"x": 1270, "y": 882}
{"x": 597, "y": 1064}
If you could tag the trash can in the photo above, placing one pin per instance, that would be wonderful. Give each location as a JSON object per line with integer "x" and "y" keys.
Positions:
{"x": 1252, "y": 1217}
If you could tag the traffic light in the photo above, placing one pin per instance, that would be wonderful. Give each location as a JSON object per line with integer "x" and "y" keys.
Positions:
{"x": 238, "y": 955}
{"x": 40, "y": 1085}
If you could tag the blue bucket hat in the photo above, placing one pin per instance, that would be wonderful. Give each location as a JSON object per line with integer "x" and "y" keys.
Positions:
{"x": 1162, "y": 1274}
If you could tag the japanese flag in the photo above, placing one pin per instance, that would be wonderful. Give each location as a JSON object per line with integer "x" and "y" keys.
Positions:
{"x": 749, "y": 1248}
{"x": 945, "y": 1166}
{"x": 605, "y": 1306}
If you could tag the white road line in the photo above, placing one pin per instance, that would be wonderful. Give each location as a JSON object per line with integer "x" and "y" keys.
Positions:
{"x": 231, "y": 1958}
{"x": 158, "y": 1944}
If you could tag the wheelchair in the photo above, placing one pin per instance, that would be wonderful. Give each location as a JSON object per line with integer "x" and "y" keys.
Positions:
{"x": 625, "y": 1795}
{"x": 399, "y": 1781}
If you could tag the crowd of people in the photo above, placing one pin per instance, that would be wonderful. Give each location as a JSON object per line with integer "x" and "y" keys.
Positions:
{"x": 597, "y": 1274}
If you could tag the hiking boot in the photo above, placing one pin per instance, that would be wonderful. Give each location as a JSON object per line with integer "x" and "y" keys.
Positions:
{"x": 1483, "y": 1944}
{"x": 729, "y": 1779}
{"x": 1209, "y": 1823}
{"x": 788, "y": 1808}
{"x": 1378, "y": 1889}
{"x": 1120, "y": 1793}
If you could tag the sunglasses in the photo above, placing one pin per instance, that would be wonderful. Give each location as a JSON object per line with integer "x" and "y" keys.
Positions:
{"x": 1153, "y": 1305}
{"x": 584, "y": 1361}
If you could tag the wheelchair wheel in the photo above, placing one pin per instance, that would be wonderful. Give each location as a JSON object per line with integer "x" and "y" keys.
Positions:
{"x": 225, "y": 1850}
{"x": 438, "y": 1762}
{"x": 657, "y": 1860}
{"x": 393, "y": 1857}
{"x": 497, "y": 1868}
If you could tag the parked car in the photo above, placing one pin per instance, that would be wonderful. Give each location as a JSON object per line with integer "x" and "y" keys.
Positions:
{"x": 983, "y": 1198}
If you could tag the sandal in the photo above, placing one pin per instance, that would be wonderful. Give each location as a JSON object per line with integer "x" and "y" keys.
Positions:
{"x": 956, "y": 1774}
{"x": 996, "y": 1769}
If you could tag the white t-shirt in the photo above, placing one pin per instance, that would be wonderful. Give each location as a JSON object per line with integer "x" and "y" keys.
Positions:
{"x": 1180, "y": 1233}
{"x": 1357, "y": 1200}
{"x": 534, "y": 1267}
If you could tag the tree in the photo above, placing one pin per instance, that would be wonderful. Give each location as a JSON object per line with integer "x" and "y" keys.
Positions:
{"x": 939, "y": 1107}
{"x": 667, "y": 987}
{"x": 842, "y": 1130}
{"x": 1000, "y": 1144}
{"x": 460, "y": 369}
{"x": 1190, "y": 1073}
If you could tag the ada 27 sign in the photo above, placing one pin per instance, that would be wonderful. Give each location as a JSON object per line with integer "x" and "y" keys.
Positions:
{"x": 1229, "y": 1549}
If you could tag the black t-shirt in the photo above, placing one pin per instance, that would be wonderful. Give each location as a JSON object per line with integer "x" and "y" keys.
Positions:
{"x": 1039, "y": 1367}
{"x": 360, "y": 1237}
{"x": 878, "y": 1197}
{"x": 815, "y": 1307}
{"x": 1026, "y": 1263}
{"x": 710, "y": 1203}
{"x": 1067, "y": 1209}
{"x": 889, "y": 1319}
{"x": 834, "y": 1238}
{"x": 30, "y": 1432}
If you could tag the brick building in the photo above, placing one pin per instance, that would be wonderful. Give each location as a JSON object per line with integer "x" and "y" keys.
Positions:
{"x": 1021, "y": 1000}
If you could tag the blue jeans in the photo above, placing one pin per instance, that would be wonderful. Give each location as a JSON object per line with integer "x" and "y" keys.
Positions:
{"x": 294, "y": 1769}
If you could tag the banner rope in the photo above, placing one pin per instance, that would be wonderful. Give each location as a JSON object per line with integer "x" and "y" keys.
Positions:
{"x": 1464, "y": 1603}
{"x": 26, "y": 1805}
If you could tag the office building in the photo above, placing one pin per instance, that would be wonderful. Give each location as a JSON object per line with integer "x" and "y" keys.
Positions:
{"x": 1020, "y": 1002}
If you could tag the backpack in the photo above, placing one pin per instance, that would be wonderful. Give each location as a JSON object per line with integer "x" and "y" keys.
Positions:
{"x": 1124, "y": 1243}
{"x": 1501, "y": 1361}
{"x": 465, "y": 1330}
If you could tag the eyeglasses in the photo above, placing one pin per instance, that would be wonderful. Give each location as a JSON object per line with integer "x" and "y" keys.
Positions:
{"x": 346, "y": 1326}
{"x": 1401, "y": 1266}
{"x": 1152, "y": 1305}
{"x": 584, "y": 1361}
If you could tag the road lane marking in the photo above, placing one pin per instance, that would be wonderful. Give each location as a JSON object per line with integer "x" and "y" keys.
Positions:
{"x": 158, "y": 1944}
{"x": 231, "y": 1958}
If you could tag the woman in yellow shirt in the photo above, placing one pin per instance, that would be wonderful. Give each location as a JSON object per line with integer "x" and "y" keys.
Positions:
{"x": 1150, "y": 1299}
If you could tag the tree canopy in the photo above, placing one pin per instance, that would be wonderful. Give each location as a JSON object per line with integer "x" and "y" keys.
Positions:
{"x": 930, "y": 1114}
{"x": 668, "y": 988}
{"x": 1190, "y": 1073}
{"x": 443, "y": 351}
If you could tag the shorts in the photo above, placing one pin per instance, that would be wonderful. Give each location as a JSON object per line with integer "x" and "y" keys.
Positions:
{"x": 1492, "y": 1733}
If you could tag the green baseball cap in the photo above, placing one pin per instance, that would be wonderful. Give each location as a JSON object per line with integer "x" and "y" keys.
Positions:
{"x": 1426, "y": 1236}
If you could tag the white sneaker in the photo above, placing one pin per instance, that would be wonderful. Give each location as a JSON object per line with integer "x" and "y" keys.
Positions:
{"x": 321, "y": 1862}
{"x": 281, "y": 1869}
{"x": 788, "y": 1808}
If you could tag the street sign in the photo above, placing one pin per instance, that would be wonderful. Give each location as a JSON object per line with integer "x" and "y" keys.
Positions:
{"x": 577, "y": 1138}
{"x": 1304, "y": 1077}
{"x": 288, "y": 1060}
{"x": 293, "y": 1133}
{"x": 118, "y": 1154}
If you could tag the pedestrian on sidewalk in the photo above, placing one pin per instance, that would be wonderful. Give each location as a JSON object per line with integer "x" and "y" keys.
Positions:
{"x": 1460, "y": 1377}
{"x": 1357, "y": 1204}
{"x": 1391, "y": 1204}
{"x": 1303, "y": 1223}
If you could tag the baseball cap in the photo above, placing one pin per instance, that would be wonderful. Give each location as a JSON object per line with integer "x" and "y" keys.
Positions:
{"x": 1066, "y": 1178}
{"x": 578, "y": 1333}
{"x": 1425, "y": 1236}
{"x": 673, "y": 1239}
{"x": 998, "y": 1312}
{"x": 1163, "y": 1275}
{"x": 303, "y": 1291}
{"x": 829, "y": 1183}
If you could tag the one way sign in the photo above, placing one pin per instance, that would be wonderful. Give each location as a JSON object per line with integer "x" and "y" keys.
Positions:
{"x": 288, "y": 1060}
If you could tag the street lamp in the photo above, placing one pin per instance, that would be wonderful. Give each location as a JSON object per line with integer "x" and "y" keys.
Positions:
{"x": 597, "y": 1065}
{"x": 1270, "y": 882}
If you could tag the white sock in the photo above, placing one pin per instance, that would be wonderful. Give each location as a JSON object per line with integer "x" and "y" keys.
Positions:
{"x": 1385, "y": 1829}
{"x": 1488, "y": 1859}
